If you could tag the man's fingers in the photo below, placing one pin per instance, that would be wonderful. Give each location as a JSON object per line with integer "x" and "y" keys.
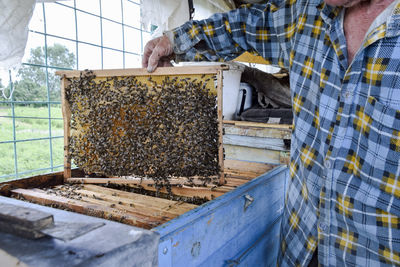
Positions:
{"x": 148, "y": 50}
{"x": 153, "y": 61}
{"x": 154, "y": 52}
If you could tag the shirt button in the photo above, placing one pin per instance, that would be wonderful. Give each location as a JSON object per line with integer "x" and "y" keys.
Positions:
{"x": 346, "y": 93}
{"x": 328, "y": 164}
{"x": 323, "y": 227}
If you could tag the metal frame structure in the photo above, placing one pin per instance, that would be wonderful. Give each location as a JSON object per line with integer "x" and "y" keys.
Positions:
{"x": 71, "y": 5}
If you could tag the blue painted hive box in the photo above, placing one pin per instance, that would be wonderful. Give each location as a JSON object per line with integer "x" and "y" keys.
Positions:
{"x": 238, "y": 228}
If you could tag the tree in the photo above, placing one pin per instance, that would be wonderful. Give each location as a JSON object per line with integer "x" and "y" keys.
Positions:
{"x": 4, "y": 91}
{"x": 31, "y": 82}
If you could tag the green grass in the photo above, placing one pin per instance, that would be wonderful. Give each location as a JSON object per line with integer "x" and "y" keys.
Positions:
{"x": 31, "y": 155}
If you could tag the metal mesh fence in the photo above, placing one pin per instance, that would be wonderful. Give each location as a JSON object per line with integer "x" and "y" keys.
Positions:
{"x": 78, "y": 34}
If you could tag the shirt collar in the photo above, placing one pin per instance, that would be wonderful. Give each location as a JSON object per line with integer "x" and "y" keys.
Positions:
{"x": 390, "y": 16}
{"x": 393, "y": 21}
{"x": 328, "y": 13}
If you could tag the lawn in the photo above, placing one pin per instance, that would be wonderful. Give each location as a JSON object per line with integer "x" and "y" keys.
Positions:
{"x": 33, "y": 154}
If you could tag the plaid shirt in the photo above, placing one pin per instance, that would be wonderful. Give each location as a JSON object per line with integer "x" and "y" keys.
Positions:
{"x": 344, "y": 191}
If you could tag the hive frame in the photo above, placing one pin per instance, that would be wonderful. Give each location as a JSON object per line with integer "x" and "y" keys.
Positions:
{"x": 176, "y": 71}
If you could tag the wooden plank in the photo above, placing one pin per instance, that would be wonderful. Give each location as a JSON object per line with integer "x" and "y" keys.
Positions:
{"x": 126, "y": 210}
{"x": 266, "y": 132}
{"x": 258, "y": 124}
{"x": 252, "y": 154}
{"x": 24, "y": 222}
{"x": 220, "y": 126}
{"x": 136, "y": 181}
{"x": 242, "y": 175}
{"x": 256, "y": 142}
{"x": 137, "y": 206}
{"x": 175, "y": 183}
{"x": 149, "y": 201}
{"x": 43, "y": 180}
{"x": 185, "y": 70}
{"x": 84, "y": 208}
{"x": 21, "y": 231}
{"x": 234, "y": 182}
{"x": 66, "y": 111}
{"x": 184, "y": 191}
{"x": 104, "y": 200}
{"x": 24, "y": 217}
{"x": 246, "y": 166}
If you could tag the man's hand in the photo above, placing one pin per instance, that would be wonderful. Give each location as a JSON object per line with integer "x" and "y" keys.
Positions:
{"x": 157, "y": 53}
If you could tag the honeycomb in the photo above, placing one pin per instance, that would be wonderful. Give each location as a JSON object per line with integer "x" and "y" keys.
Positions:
{"x": 145, "y": 126}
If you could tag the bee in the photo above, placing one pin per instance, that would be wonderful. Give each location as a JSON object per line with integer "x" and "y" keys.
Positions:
{"x": 159, "y": 142}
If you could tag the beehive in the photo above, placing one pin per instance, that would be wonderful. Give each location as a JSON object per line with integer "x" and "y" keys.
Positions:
{"x": 131, "y": 123}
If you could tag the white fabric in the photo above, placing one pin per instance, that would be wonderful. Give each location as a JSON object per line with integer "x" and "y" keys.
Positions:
{"x": 14, "y": 19}
{"x": 165, "y": 14}
{"x": 169, "y": 14}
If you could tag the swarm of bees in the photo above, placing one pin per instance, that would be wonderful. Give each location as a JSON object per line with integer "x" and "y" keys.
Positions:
{"x": 137, "y": 126}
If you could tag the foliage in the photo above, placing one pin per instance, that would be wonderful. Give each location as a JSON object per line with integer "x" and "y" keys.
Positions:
{"x": 31, "y": 84}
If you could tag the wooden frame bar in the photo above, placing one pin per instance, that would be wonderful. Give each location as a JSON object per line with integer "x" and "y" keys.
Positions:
{"x": 66, "y": 111}
{"x": 176, "y": 71}
{"x": 220, "y": 126}
{"x": 186, "y": 70}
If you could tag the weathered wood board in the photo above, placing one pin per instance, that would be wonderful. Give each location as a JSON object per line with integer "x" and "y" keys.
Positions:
{"x": 28, "y": 218}
{"x": 91, "y": 196}
{"x": 257, "y": 142}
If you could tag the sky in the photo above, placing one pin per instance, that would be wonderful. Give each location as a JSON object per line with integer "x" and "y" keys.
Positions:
{"x": 60, "y": 23}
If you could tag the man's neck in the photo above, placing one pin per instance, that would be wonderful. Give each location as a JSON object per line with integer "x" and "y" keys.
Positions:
{"x": 357, "y": 21}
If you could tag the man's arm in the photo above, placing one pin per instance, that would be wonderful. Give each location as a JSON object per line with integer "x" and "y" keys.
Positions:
{"x": 222, "y": 37}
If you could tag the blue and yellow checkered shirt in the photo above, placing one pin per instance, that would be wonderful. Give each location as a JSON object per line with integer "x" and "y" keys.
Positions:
{"x": 344, "y": 191}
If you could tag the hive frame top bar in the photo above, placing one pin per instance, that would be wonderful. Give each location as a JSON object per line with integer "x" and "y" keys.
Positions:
{"x": 208, "y": 69}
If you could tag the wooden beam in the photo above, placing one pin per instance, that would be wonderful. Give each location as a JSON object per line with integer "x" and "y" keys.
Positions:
{"x": 66, "y": 111}
{"x": 258, "y": 124}
{"x": 220, "y": 126}
{"x": 253, "y": 154}
{"x": 265, "y": 132}
{"x": 255, "y": 142}
{"x": 41, "y": 197}
{"x": 132, "y": 180}
{"x": 246, "y": 166}
{"x": 25, "y": 217}
{"x": 185, "y": 70}
{"x": 147, "y": 205}
{"x": 184, "y": 191}
{"x": 43, "y": 180}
